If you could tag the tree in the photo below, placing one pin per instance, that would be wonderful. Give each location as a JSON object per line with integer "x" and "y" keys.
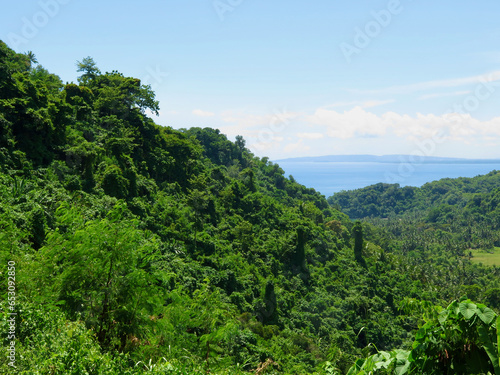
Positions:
{"x": 32, "y": 58}
{"x": 38, "y": 228}
{"x": 96, "y": 272}
{"x": 357, "y": 232}
{"x": 249, "y": 179}
{"x": 89, "y": 69}
{"x": 52, "y": 82}
{"x": 198, "y": 200}
{"x": 116, "y": 95}
{"x": 240, "y": 143}
{"x": 33, "y": 116}
{"x": 206, "y": 314}
{"x": 267, "y": 312}
{"x": 114, "y": 182}
{"x": 299, "y": 255}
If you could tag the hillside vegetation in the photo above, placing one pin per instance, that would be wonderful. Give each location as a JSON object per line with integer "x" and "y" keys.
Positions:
{"x": 143, "y": 249}
{"x": 447, "y": 223}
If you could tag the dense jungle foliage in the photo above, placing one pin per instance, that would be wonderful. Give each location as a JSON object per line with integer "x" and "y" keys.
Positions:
{"x": 441, "y": 223}
{"x": 140, "y": 249}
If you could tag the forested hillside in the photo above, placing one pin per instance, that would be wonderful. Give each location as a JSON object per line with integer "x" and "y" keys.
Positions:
{"x": 139, "y": 248}
{"x": 444, "y": 222}
{"x": 439, "y": 230}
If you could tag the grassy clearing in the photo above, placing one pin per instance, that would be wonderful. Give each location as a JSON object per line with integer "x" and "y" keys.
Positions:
{"x": 485, "y": 257}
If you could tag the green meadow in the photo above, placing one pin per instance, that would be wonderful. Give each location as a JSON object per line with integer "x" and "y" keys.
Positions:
{"x": 488, "y": 258}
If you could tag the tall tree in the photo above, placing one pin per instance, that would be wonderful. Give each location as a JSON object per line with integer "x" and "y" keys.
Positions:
{"x": 32, "y": 58}
{"x": 89, "y": 69}
{"x": 357, "y": 232}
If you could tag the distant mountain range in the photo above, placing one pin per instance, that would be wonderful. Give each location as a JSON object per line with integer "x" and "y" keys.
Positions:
{"x": 386, "y": 159}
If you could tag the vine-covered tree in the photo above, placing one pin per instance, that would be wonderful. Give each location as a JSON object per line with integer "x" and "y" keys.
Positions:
{"x": 357, "y": 232}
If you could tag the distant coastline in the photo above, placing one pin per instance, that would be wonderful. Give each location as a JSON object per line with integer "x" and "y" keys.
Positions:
{"x": 334, "y": 173}
{"x": 386, "y": 159}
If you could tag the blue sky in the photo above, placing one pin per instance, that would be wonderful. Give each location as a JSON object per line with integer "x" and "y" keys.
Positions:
{"x": 295, "y": 78}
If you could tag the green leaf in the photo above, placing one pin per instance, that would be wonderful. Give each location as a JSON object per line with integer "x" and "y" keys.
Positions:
{"x": 486, "y": 315}
{"x": 498, "y": 342}
{"x": 467, "y": 309}
{"x": 382, "y": 360}
{"x": 489, "y": 348}
{"x": 454, "y": 308}
{"x": 421, "y": 333}
{"x": 443, "y": 315}
{"x": 402, "y": 366}
{"x": 401, "y": 358}
{"x": 356, "y": 368}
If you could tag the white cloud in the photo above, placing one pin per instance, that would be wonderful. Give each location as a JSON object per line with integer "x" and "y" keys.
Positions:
{"x": 343, "y": 104}
{"x": 444, "y": 94}
{"x": 358, "y": 103}
{"x": 244, "y": 120}
{"x": 297, "y": 148}
{"x": 354, "y": 122}
{"x": 199, "y": 112}
{"x": 429, "y": 85}
{"x": 376, "y": 103}
{"x": 311, "y": 135}
{"x": 271, "y": 120}
{"x": 263, "y": 147}
{"x": 258, "y": 128}
{"x": 358, "y": 122}
{"x": 284, "y": 134}
{"x": 264, "y": 133}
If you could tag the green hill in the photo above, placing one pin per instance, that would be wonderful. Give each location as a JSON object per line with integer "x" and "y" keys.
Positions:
{"x": 135, "y": 248}
{"x": 449, "y": 222}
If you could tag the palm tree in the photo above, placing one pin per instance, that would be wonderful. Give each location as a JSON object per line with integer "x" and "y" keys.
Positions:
{"x": 31, "y": 58}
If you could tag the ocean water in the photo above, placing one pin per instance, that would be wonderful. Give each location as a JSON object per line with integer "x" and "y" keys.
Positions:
{"x": 331, "y": 177}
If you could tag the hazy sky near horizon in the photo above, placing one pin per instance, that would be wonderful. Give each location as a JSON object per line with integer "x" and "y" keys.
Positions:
{"x": 295, "y": 78}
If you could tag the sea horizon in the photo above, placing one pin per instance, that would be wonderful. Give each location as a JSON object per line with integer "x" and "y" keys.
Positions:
{"x": 330, "y": 177}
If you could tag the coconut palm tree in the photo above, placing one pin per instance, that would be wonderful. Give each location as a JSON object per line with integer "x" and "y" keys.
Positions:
{"x": 32, "y": 58}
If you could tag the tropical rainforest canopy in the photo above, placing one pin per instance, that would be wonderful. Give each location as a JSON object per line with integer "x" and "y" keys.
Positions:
{"x": 143, "y": 249}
